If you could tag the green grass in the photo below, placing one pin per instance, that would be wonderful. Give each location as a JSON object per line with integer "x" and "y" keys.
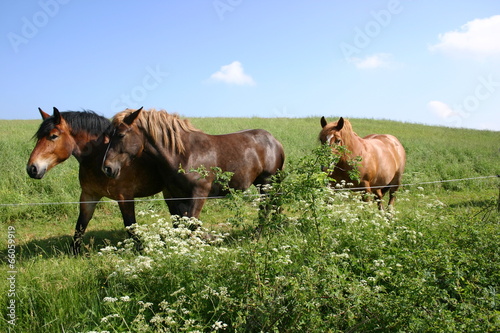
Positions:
{"x": 328, "y": 262}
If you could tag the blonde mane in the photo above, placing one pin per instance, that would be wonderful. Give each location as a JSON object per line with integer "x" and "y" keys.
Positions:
{"x": 347, "y": 134}
{"x": 162, "y": 127}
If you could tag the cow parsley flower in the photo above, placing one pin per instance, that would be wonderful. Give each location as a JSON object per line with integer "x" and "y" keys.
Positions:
{"x": 109, "y": 299}
{"x": 219, "y": 325}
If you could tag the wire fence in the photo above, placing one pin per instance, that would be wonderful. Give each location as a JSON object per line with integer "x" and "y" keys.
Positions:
{"x": 221, "y": 197}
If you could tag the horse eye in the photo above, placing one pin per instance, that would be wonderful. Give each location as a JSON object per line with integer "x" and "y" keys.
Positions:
{"x": 53, "y": 137}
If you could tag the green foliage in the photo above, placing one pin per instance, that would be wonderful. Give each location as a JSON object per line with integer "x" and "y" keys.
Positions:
{"x": 221, "y": 178}
{"x": 324, "y": 261}
{"x": 372, "y": 271}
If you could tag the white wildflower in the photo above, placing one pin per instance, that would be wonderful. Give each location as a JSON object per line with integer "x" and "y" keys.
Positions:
{"x": 157, "y": 319}
{"x": 109, "y": 299}
{"x": 219, "y": 325}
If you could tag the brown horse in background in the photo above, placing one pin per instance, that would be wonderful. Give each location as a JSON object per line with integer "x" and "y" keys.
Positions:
{"x": 383, "y": 158}
{"x": 252, "y": 156}
{"x": 83, "y": 135}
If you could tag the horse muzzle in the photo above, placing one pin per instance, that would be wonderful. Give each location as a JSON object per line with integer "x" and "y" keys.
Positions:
{"x": 35, "y": 171}
{"x": 110, "y": 171}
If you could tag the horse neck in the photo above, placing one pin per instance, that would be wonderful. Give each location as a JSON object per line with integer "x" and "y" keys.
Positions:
{"x": 86, "y": 130}
{"x": 354, "y": 144}
{"x": 165, "y": 137}
{"x": 86, "y": 145}
{"x": 167, "y": 155}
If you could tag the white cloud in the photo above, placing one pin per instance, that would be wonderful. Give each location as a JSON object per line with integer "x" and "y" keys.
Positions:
{"x": 379, "y": 60}
{"x": 477, "y": 38}
{"x": 442, "y": 110}
{"x": 233, "y": 74}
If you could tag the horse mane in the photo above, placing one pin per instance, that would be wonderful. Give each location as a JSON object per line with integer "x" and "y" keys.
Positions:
{"x": 347, "y": 134}
{"x": 78, "y": 121}
{"x": 162, "y": 127}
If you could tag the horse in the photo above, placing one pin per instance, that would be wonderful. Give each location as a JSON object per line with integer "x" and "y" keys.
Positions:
{"x": 252, "y": 156}
{"x": 83, "y": 135}
{"x": 383, "y": 158}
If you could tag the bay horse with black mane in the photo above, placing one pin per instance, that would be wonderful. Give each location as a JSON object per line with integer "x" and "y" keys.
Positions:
{"x": 383, "y": 158}
{"x": 83, "y": 135}
{"x": 252, "y": 156}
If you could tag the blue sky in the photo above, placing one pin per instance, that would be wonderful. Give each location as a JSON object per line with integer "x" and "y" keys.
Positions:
{"x": 430, "y": 62}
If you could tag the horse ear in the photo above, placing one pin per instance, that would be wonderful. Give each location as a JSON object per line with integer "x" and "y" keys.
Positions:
{"x": 57, "y": 116}
{"x": 323, "y": 122}
{"x": 131, "y": 117}
{"x": 340, "y": 124}
{"x": 44, "y": 114}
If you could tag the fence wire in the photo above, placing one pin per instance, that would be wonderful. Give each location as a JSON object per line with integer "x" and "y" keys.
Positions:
{"x": 221, "y": 197}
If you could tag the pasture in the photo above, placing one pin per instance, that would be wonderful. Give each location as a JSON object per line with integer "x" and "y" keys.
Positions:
{"x": 326, "y": 262}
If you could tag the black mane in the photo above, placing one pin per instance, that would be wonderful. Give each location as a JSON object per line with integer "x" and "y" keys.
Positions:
{"x": 87, "y": 121}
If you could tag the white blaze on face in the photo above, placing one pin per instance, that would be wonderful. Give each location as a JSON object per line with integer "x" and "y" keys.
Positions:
{"x": 43, "y": 164}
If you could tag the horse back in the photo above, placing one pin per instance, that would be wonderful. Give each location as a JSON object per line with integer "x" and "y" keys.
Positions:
{"x": 251, "y": 155}
{"x": 255, "y": 146}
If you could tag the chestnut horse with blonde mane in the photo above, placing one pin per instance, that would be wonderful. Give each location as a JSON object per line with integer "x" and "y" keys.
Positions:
{"x": 252, "y": 156}
{"x": 383, "y": 158}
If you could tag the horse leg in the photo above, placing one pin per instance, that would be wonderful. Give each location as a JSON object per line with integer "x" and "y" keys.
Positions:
{"x": 394, "y": 186}
{"x": 127, "y": 208}
{"x": 192, "y": 207}
{"x": 195, "y": 206}
{"x": 87, "y": 208}
{"x": 186, "y": 208}
{"x": 368, "y": 193}
{"x": 379, "y": 194}
{"x": 392, "y": 196}
{"x": 198, "y": 196}
{"x": 169, "y": 202}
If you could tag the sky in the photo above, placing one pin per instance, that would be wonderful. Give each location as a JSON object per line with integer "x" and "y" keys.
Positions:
{"x": 428, "y": 62}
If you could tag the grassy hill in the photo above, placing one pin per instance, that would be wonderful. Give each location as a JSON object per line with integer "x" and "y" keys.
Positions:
{"x": 327, "y": 263}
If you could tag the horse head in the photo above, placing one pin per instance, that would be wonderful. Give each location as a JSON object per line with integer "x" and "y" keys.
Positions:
{"x": 331, "y": 133}
{"x": 125, "y": 143}
{"x": 54, "y": 144}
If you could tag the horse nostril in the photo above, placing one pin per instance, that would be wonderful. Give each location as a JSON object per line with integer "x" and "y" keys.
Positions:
{"x": 108, "y": 171}
{"x": 31, "y": 169}
{"x": 34, "y": 172}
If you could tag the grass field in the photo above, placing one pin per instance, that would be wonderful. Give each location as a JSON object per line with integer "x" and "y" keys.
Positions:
{"x": 327, "y": 262}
